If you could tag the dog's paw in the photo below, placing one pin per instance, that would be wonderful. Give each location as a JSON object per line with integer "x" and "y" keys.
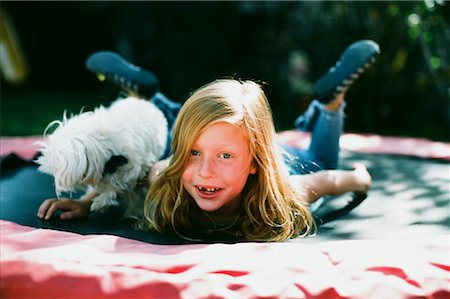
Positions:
{"x": 101, "y": 205}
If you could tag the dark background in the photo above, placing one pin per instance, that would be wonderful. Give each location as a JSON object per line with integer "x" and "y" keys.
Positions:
{"x": 187, "y": 44}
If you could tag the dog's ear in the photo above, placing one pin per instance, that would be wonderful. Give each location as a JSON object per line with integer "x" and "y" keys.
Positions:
{"x": 113, "y": 163}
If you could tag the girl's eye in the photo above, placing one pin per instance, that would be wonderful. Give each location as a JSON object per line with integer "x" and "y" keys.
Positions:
{"x": 194, "y": 153}
{"x": 225, "y": 156}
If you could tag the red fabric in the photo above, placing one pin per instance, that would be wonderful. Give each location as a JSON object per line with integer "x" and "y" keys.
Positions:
{"x": 41, "y": 263}
{"x": 24, "y": 147}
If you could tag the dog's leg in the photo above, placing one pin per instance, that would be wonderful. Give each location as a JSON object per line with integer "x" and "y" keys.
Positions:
{"x": 134, "y": 201}
{"x": 104, "y": 200}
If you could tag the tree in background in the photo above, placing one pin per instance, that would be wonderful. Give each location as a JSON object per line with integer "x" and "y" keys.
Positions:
{"x": 286, "y": 44}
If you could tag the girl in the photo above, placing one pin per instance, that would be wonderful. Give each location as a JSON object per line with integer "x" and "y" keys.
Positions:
{"x": 228, "y": 173}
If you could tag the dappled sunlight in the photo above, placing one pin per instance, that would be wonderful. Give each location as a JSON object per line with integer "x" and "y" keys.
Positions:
{"x": 409, "y": 198}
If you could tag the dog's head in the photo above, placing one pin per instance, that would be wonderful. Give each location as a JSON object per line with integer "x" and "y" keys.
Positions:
{"x": 75, "y": 155}
{"x": 89, "y": 149}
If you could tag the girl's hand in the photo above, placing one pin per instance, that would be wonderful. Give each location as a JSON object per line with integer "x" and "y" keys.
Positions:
{"x": 71, "y": 208}
{"x": 363, "y": 178}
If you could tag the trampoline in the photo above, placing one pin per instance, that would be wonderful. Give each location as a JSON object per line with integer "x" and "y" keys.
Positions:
{"x": 395, "y": 244}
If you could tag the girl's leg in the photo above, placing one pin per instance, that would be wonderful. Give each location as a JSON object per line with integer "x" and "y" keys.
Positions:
{"x": 324, "y": 117}
{"x": 134, "y": 81}
{"x": 325, "y": 122}
{"x": 326, "y": 128}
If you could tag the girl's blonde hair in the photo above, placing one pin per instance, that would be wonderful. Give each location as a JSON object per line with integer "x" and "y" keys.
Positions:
{"x": 273, "y": 211}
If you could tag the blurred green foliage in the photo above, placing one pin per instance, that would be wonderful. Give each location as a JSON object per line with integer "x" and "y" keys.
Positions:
{"x": 286, "y": 44}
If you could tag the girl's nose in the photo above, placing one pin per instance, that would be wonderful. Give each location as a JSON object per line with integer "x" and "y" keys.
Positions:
{"x": 207, "y": 168}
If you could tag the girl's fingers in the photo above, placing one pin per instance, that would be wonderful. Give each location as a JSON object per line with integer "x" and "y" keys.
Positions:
{"x": 42, "y": 211}
{"x": 52, "y": 209}
{"x": 69, "y": 215}
{"x": 51, "y": 206}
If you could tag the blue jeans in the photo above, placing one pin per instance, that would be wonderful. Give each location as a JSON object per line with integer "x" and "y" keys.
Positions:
{"x": 323, "y": 152}
{"x": 170, "y": 110}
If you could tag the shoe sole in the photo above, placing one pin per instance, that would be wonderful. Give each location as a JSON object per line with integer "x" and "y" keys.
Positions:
{"x": 330, "y": 84}
{"x": 114, "y": 68}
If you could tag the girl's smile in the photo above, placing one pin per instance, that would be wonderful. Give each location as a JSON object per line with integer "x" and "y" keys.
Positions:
{"x": 218, "y": 168}
{"x": 208, "y": 192}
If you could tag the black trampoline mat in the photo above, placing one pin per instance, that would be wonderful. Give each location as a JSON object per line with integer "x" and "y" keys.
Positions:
{"x": 409, "y": 198}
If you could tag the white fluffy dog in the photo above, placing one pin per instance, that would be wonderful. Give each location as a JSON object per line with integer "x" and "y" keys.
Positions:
{"x": 109, "y": 150}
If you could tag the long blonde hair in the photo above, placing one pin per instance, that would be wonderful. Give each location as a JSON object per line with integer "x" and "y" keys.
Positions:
{"x": 273, "y": 211}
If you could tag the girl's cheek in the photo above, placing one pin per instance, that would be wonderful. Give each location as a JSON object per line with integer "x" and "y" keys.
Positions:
{"x": 188, "y": 171}
{"x": 227, "y": 171}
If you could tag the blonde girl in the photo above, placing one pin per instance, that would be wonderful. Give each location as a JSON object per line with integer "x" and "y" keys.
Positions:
{"x": 228, "y": 173}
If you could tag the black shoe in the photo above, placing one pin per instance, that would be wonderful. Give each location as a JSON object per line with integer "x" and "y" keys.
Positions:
{"x": 358, "y": 57}
{"x": 131, "y": 78}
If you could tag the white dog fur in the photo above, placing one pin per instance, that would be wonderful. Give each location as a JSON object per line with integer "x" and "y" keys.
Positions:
{"x": 79, "y": 148}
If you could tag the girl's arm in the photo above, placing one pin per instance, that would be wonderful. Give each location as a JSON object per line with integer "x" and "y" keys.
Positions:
{"x": 72, "y": 208}
{"x": 332, "y": 182}
{"x": 80, "y": 208}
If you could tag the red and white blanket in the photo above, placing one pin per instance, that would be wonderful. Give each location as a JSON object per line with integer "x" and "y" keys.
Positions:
{"x": 41, "y": 263}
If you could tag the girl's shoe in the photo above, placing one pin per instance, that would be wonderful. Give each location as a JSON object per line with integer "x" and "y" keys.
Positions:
{"x": 358, "y": 57}
{"x": 131, "y": 78}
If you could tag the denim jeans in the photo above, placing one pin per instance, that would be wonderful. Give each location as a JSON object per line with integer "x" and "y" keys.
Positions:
{"x": 170, "y": 110}
{"x": 323, "y": 152}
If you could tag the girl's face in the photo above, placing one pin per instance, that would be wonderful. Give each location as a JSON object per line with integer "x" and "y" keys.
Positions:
{"x": 218, "y": 168}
